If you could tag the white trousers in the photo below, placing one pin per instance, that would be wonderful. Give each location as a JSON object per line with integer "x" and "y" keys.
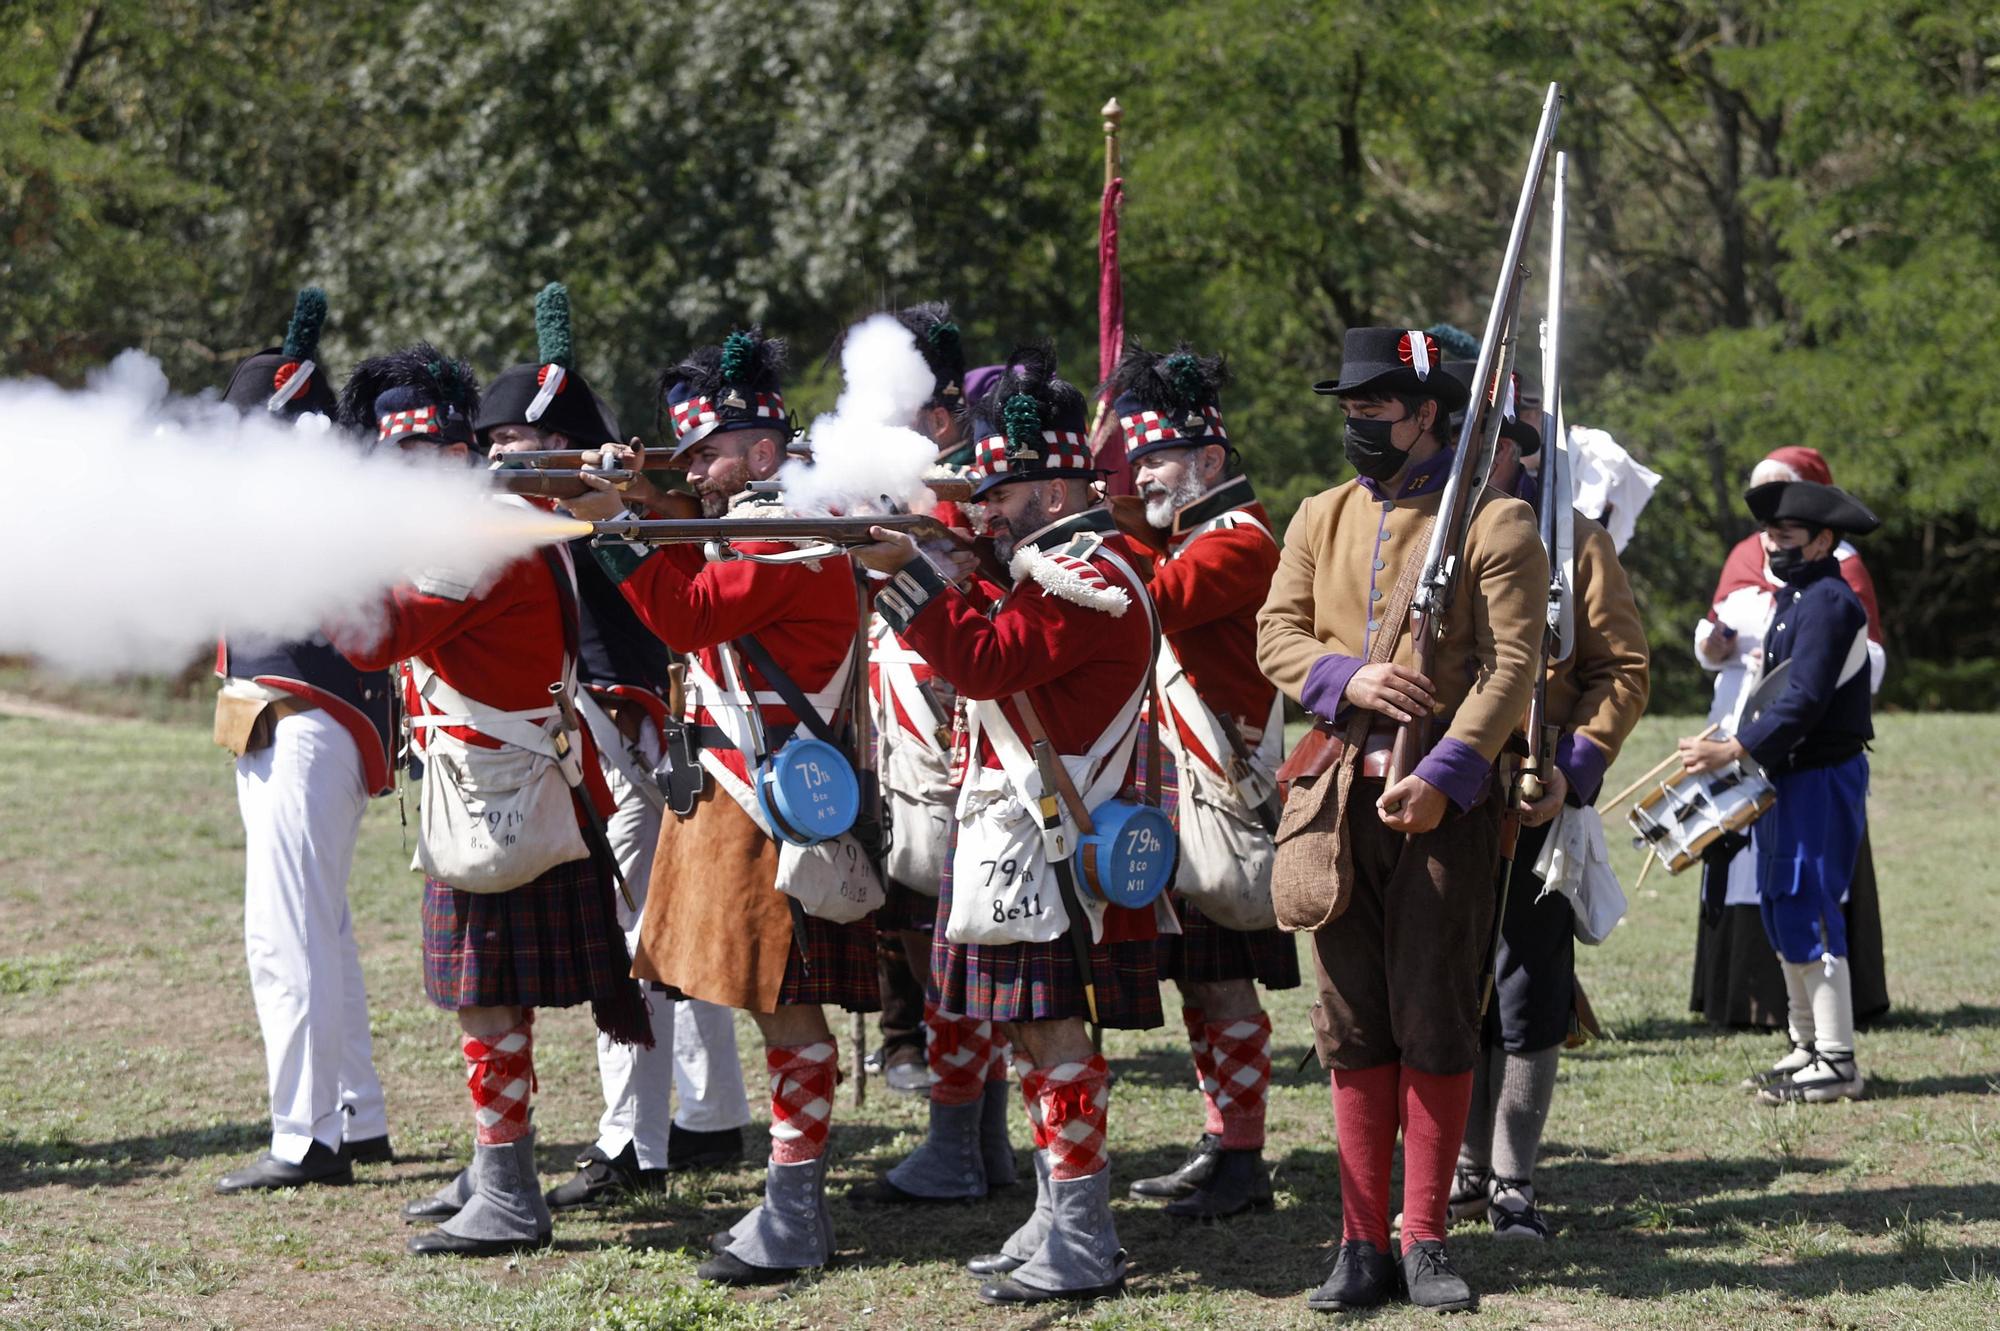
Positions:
{"x": 301, "y": 800}
{"x": 694, "y": 1043}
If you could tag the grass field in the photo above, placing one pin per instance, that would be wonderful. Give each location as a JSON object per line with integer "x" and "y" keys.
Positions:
{"x": 131, "y": 1076}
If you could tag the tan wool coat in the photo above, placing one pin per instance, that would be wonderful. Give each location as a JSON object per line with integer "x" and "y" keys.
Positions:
{"x": 1343, "y": 553}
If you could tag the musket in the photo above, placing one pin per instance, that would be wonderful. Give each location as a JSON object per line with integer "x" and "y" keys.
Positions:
{"x": 945, "y": 489}
{"x": 1557, "y": 512}
{"x": 839, "y": 532}
{"x": 542, "y": 459}
{"x": 555, "y": 482}
{"x": 1477, "y": 438}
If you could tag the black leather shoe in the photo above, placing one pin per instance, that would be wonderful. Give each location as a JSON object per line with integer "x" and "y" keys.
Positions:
{"x": 995, "y": 1264}
{"x": 369, "y": 1151}
{"x": 437, "y": 1243}
{"x": 881, "y": 1192}
{"x": 725, "y": 1269}
{"x": 322, "y": 1164}
{"x": 1363, "y": 1276}
{"x": 1433, "y": 1282}
{"x": 1238, "y": 1184}
{"x": 1199, "y": 1168}
{"x": 688, "y": 1150}
{"x": 601, "y": 1179}
{"x": 1008, "y": 1292}
{"x": 428, "y": 1210}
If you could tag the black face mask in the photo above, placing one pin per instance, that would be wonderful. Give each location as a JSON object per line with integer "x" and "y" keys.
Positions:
{"x": 1369, "y": 449}
{"x": 1786, "y": 561}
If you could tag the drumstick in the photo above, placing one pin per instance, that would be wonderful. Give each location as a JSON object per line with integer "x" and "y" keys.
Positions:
{"x": 1658, "y": 768}
{"x": 1644, "y": 869}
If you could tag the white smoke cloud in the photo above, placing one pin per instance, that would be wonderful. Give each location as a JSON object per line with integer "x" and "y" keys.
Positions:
{"x": 158, "y": 523}
{"x": 864, "y": 449}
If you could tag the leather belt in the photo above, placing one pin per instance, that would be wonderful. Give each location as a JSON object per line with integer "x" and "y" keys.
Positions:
{"x": 714, "y": 737}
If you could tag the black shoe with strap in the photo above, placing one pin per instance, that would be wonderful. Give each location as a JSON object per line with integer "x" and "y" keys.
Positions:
{"x": 1433, "y": 1282}
{"x": 1198, "y": 1169}
{"x": 437, "y": 1243}
{"x": 1514, "y": 1214}
{"x": 369, "y": 1151}
{"x": 1238, "y": 1184}
{"x": 322, "y": 1164}
{"x": 601, "y": 1179}
{"x": 1363, "y": 1276}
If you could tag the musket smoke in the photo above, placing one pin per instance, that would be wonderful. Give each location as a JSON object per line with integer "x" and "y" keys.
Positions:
{"x": 177, "y": 520}
{"x": 864, "y": 450}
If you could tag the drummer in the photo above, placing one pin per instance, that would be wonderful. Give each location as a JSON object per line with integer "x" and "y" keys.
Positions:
{"x": 1811, "y": 740}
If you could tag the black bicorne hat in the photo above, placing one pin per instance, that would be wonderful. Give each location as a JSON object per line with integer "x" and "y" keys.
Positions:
{"x": 1526, "y": 437}
{"x": 287, "y": 380}
{"x": 1405, "y": 362}
{"x": 548, "y": 394}
{"x": 737, "y": 384}
{"x": 1167, "y": 401}
{"x": 1029, "y": 425}
{"x": 943, "y": 350}
{"x": 1811, "y": 503}
{"x": 416, "y": 393}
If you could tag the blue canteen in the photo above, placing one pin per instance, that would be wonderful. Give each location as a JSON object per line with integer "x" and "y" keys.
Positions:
{"x": 1128, "y": 859}
{"x": 808, "y": 791}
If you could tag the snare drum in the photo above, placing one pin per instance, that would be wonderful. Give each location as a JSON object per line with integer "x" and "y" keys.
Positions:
{"x": 1681, "y": 818}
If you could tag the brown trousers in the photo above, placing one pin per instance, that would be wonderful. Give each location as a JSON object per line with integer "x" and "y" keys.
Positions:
{"x": 1398, "y": 971}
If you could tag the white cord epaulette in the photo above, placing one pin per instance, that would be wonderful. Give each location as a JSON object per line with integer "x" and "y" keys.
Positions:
{"x": 1070, "y": 575}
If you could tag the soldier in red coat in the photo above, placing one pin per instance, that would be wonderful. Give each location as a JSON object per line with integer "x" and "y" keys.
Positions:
{"x": 1222, "y": 722}
{"x": 510, "y": 924}
{"x": 1063, "y": 652}
{"x": 719, "y": 923}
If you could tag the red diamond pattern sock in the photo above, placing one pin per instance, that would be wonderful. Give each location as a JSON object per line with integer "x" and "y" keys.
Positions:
{"x": 1364, "y": 1121}
{"x": 1033, "y": 1079}
{"x": 1002, "y": 1056}
{"x": 1204, "y": 1068}
{"x": 1241, "y": 1051}
{"x": 802, "y": 1080}
{"x": 1076, "y": 1103}
{"x": 1433, "y": 1112}
{"x": 958, "y": 1050}
{"x": 500, "y": 1073}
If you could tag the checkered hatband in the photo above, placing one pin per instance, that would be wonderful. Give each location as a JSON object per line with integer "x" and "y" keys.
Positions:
{"x": 1152, "y": 427}
{"x": 1064, "y": 449}
{"x": 402, "y": 424}
{"x": 695, "y": 412}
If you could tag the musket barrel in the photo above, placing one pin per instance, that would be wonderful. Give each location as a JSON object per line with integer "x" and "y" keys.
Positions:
{"x": 844, "y": 530}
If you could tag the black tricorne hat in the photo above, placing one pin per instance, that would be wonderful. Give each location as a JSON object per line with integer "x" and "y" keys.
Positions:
{"x": 287, "y": 380}
{"x": 1810, "y": 503}
{"x": 416, "y": 393}
{"x": 548, "y": 394}
{"x": 1029, "y": 425}
{"x": 942, "y": 348}
{"x": 1526, "y": 437}
{"x": 1404, "y": 362}
{"x": 1171, "y": 400}
{"x": 736, "y": 384}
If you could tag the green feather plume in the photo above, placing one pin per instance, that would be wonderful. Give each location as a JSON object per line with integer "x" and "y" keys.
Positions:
{"x": 1022, "y": 417}
{"x": 1184, "y": 375}
{"x": 739, "y": 354}
{"x": 1454, "y": 342}
{"x": 552, "y": 332}
{"x": 302, "y": 334}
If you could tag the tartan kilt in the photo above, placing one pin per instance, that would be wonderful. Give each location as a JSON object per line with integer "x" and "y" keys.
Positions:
{"x": 839, "y": 967}
{"x": 907, "y": 909}
{"x": 552, "y": 942}
{"x": 1204, "y": 952}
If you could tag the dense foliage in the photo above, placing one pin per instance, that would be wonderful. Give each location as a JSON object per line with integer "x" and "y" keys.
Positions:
{"x": 1784, "y": 221}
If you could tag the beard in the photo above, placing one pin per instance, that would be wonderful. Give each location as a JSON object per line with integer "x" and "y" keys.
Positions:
{"x": 722, "y": 483}
{"x": 1162, "y": 503}
{"x": 1008, "y": 532}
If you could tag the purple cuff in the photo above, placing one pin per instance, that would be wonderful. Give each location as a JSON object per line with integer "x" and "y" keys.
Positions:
{"x": 1582, "y": 764}
{"x": 1456, "y": 768}
{"x": 1325, "y": 693}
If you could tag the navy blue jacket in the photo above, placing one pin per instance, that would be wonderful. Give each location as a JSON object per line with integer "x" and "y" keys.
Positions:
{"x": 1817, "y": 721}
{"x": 615, "y": 648}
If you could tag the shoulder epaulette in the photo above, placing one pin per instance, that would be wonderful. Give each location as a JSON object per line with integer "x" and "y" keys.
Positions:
{"x": 1071, "y": 576}
{"x": 445, "y": 584}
